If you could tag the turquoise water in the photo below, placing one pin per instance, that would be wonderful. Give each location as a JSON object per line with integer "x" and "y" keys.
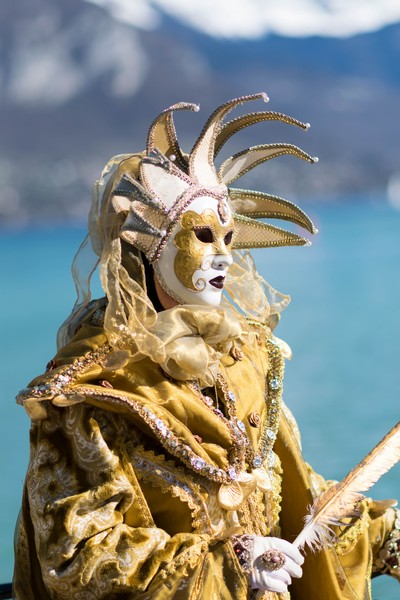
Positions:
{"x": 343, "y": 326}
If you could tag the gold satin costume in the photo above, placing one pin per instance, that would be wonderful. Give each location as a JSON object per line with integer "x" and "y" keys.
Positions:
{"x": 110, "y": 512}
{"x": 159, "y": 436}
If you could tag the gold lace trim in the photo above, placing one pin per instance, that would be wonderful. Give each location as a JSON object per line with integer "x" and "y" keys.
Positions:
{"x": 165, "y": 475}
{"x": 350, "y": 536}
{"x": 139, "y": 500}
{"x": 188, "y": 558}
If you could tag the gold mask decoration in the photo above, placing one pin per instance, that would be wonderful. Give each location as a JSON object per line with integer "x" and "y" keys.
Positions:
{"x": 202, "y": 236}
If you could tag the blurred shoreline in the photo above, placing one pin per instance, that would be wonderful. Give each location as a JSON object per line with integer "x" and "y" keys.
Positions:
{"x": 79, "y": 85}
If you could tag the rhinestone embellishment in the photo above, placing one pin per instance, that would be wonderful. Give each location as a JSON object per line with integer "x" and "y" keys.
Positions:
{"x": 275, "y": 383}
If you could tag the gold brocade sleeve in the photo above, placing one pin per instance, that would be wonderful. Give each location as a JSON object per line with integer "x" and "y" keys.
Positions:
{"x": 93, "y": 532}
{"x": 342, "y": 572}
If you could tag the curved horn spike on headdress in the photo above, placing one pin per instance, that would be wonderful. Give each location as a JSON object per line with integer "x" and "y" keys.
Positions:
{"x": 236, "y": 125}
{"x": 241, "y": 163}
{"x": 259, "y": 205}
{"x": 131, "y": 189}
{"x": 162, "y": 178}
{"x": 250, "y": 233}
{"x": 162, "y": 133}
{"x": 201, "y": 162}
{"x": 135, "y": 223}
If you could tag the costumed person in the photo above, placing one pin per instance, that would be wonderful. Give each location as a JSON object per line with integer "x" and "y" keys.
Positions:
{"x": 164, "y": 463}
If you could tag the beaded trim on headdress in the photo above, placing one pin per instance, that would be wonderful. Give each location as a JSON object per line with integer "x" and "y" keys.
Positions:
{"x": 154, "y": 189}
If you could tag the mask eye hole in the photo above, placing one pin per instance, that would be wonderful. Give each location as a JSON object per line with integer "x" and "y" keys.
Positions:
{"x": 228, "y": 238}
{"x": 204, "y": 234}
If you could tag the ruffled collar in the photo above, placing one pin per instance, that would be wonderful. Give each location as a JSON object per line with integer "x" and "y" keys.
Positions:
{"x": 195, "y": 339}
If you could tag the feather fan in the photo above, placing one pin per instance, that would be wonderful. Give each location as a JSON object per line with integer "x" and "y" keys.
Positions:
{"x": 340, "y": 500}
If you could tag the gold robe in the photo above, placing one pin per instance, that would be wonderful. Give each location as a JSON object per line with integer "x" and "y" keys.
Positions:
{"x": 110, "y": 510}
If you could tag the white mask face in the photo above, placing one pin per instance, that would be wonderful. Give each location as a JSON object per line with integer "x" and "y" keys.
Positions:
{"x": 193, "y": 263}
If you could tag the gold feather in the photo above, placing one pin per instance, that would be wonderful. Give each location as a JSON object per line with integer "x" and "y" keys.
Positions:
{"x": 340, "y": 500}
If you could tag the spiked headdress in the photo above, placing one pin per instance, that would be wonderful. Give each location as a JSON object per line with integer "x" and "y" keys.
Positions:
{"x": 152, "y": 190}
{"x": 139, "y": 199}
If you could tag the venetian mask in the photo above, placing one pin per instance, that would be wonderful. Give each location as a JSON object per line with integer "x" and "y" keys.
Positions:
{"x": 194, "y": 262}
{"x": 174, "y": 207}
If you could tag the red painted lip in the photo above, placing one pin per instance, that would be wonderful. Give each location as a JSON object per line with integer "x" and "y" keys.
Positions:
{"x": 218, "y": 282}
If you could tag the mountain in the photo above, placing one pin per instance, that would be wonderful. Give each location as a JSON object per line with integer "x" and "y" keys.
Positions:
{"x": 78, "y": 84}
{"x": 251, "y": 19}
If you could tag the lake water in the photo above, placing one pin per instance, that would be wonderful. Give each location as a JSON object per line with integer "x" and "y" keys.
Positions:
{"x": 343, "y": 326}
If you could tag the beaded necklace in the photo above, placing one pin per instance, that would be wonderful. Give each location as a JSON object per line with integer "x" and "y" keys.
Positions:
{"x": 241, "y": 448}
{"x": 246, "y": 467}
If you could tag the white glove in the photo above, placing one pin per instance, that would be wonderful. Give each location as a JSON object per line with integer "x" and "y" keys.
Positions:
{"x": 268, "y": 579}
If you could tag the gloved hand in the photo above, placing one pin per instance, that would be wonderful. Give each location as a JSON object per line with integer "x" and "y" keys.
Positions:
{"x": 264, "y": 575}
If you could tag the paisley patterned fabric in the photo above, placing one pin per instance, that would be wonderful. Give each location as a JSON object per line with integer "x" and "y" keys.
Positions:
{"x": 115, "y": 506}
